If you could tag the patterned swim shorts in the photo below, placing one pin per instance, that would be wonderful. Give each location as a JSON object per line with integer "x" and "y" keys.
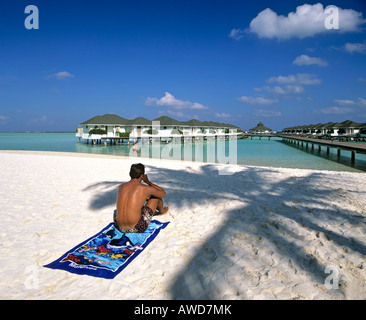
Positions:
{"x": 142, "y": 224}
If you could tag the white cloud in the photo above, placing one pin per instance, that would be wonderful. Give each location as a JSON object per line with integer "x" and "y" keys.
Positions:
{"x": 306, "y": 21}
{"x": 344, "y": 102}
{"x": 267, "y": 113}
{"x": 41, "y": 120}
{"x": 335, "y": 110}
{"x": 3, "y": 119}
{"x": 236, "y": 34}
{"x": 257, "y": 100}
{"x": 305, "y": 60}
{"x": 305, "y": 79}
{"x": 344, "y": 106}
{"x": 223, "y": 115}
{"x": 288, "y": 89}
{"x": 170, "y": 101}
{"x": 63, "y": 75}
{"x": 355, "y": 47}
{"x": 359, "y": 102}
{"x": 291, "y": 84}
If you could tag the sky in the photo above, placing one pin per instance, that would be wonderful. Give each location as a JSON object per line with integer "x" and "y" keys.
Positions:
{"x": 284, "y": 63}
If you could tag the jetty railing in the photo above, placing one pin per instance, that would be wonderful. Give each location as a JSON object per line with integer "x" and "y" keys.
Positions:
{"x": 353, "y": 147}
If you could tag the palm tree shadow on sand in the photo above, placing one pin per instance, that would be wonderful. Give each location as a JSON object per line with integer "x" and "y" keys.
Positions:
{"x": 275, "y": 219}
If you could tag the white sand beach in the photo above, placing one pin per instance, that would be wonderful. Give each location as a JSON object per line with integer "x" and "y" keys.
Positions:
{"x": 260, "y": 233}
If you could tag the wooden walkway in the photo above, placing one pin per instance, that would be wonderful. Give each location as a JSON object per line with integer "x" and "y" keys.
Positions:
{"x": 349, "y": 146}
{"x": 114, "y": 140}
{"x": 258, "y": 135}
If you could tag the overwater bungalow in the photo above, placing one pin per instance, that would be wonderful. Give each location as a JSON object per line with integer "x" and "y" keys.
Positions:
{"x": 114, "y": 128}
{"x": 331, "y": 129}
{"x": 261, "y": 129}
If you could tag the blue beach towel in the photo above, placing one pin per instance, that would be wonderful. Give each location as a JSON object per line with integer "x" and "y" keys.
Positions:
{"x": 108, "y": 252}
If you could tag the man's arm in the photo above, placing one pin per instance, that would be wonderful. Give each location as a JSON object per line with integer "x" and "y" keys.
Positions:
{"x": 156, "y": 191}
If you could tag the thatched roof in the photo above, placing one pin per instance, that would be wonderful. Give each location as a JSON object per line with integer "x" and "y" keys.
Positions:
{"x": 111, "y": 119}
{"x": 140, "y": 121}
{"x": 261, "y": 128}
{"x": 329, "y": 125}
{"x": 346, "y": 124}
{"x": 192, "y": 123}
{"x": 167, "y": 121}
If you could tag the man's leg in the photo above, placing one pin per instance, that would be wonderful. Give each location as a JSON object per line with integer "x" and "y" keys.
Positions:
{"x": 157, "y": 204}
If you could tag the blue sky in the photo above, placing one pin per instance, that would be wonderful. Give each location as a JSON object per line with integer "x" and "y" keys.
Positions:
{"x": 232, "y": 61}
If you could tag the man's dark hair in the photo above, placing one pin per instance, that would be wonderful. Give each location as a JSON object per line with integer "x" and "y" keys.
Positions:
{"x": 137, "y": 170}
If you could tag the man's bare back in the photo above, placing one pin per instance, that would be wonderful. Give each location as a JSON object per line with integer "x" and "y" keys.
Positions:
{"x": 131, "y": 198}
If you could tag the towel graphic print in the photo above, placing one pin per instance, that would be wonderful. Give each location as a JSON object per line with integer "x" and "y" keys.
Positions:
{"x": 107, "y": 253}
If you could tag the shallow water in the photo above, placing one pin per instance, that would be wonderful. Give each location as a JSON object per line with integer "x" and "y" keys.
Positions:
{"x": 273, "y": 153}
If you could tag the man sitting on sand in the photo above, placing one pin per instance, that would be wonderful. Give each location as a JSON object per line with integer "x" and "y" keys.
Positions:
{"x": 133, "y": 215}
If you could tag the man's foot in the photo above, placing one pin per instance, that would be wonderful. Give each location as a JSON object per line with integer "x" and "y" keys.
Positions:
{"x": 164, "y": 211}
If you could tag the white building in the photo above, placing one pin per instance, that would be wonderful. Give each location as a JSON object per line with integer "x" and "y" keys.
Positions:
{"x": 113, "y": 127}
{"x": 345, "y": 128}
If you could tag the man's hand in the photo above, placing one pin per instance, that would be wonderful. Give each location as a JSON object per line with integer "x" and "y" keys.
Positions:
{"x": 145, "y": 179}
{"x": 158, "y": 192}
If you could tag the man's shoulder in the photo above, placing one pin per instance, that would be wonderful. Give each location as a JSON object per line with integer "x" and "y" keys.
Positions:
{"x": 144, "y": 187}
{"x": 122, "y": 185}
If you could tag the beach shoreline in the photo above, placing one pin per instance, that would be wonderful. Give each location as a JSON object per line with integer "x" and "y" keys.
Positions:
{"x": 264, "y": 153}
{"x": 143, "y": 159}
{"x": 257, "y": 233}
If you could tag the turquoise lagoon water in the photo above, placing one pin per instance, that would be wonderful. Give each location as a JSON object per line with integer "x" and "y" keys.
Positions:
{"x": 273, "y": 153}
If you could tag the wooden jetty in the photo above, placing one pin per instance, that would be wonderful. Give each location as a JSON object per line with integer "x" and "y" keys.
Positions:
{"x": 259, "y": 135}
{"x": 305, "y": 141}
{"x": 115, "y": 140}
